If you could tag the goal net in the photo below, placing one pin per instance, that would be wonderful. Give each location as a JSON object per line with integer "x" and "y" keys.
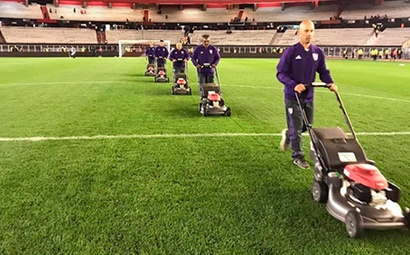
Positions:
{"x": 136, "y": 48}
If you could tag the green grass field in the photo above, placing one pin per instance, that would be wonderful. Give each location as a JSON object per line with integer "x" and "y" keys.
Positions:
{"x": 124, "y": 167}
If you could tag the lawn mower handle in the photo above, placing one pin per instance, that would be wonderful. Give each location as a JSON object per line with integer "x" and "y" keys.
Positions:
{"x": 341, "y": 106}
{"x": 319, "y": 85}
{"x": 217, "y": 78}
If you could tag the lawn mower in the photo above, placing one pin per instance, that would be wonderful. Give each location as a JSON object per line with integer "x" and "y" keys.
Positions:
{"x": 356, "y": 192}
{"x": 212, "y": 102}
{"x": 161, "y": 74}
{"x": 180, "y": 86}
{"x": 150, "y": 70}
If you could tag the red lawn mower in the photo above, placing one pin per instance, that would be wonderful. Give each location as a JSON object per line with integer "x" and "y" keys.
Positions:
{"x": 354, "y": 189}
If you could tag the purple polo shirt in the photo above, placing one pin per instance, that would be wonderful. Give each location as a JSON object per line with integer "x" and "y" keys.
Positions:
{"x": 179, "y": 54}
{"x": 149, "y": 52}
{"x": 300, "y": 66}
{"x": 204, "y": 55}
{"x": 161, "y": 51}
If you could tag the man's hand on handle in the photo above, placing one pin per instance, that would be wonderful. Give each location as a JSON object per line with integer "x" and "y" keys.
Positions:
{"x": 332, "y": 87}
{"x": 300, "y": 88}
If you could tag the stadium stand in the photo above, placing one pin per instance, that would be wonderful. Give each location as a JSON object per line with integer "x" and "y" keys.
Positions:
{"x": 346, "y": 36}
{"x": 276, "y": 14}
{"x": 238, "y": 37}
{"x": 390, "y": 36}
{"x": 48, "y": 35}
{"x": 121, "y": 14}
{"x": 397, "y": 9}
{"x": 337, "y": 37}
{"x": 193, "y": 15}
{"x": 245, "y": 37}
{"x": 167, "y": 14}
{"x": 18, "y": 10}
{"x": 95, "y": 13}
{"x": 112, "y": 36}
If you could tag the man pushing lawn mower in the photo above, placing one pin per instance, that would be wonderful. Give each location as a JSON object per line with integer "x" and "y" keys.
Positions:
{"x": 149, "y": 53}
{"x": 161, "y": 54}
{"x": 205, "y": 58}
{"x": 354, "y": 189}
{"x": 296, "y": 70}
{"x": 179, "y": 56}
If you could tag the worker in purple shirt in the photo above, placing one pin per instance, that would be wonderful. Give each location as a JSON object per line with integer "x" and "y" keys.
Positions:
{"x": 161, "y": 54}
{"x": 149, "y": 52}
{"x": 296, "y": 70}
{"x": 205, "y": 58}
{"x": 179, "y": 56}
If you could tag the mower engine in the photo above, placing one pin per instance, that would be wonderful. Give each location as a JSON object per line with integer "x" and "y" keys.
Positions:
{"x": 214, "y": 99}
{"x": 367, "y": 184}
{"x": 161, "y": 73}
{"x": 181, "y": 82}
{"x": 379, "y": 199}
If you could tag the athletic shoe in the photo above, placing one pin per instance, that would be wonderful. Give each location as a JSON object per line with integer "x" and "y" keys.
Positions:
{"x": 285, "y": 142}
{"x": 302, "y": 163}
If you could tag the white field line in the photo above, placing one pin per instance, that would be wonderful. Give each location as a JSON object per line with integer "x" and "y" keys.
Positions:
{"x": 236, "y": 86}
{"x": 110, "y": 137}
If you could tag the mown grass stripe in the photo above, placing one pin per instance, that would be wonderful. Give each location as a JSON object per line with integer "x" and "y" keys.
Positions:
{"x": 236, "y": 86}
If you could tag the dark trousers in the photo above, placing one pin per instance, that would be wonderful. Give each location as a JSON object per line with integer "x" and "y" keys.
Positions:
{"x": 204, "y": 78}
{"x": 178, "y": 69}
{"x": 296, "y": 126}
{"x": 151, "y": 60}
{"x": 160, "y": 63}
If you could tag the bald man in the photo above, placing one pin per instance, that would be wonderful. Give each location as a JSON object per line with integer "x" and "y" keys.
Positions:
{"x": 179, "y": 56}
{"x": 296, "y": 70}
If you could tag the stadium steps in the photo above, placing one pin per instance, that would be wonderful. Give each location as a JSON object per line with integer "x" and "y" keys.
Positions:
{"x": 276, "y": 38}
{"x": 240, "y": 14}
{"x": 372, "y": 40}
{"x": 46, "y": 15}
{"x": 390, "y": 37}
{"x": 44, "y": 11}
{"x": 101, "y": 38}
{"x": 2, "y": 39}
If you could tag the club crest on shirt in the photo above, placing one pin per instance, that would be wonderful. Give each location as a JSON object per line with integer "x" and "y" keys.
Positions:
{"x": 290, "y": 110}
{"x": 315, "y": 56}
{"x": 210, "y": 51}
